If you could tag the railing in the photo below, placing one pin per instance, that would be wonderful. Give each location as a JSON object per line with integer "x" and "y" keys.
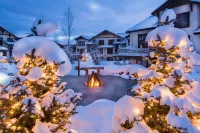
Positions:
{"x": 133, "y": 51}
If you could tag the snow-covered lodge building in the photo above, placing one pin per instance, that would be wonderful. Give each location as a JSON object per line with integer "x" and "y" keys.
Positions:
{"x": 106, "y": 41}
{"x": 188, "y": 19}
{"x": 7, "y": 40}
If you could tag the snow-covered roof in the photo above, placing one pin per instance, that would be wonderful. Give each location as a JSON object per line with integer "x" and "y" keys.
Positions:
{"x": 85, "y": 37}
{"x": 123, "y": 34}
{"x": 106, "y": 46}
{"x": 105, "y": 31}
{"x": 3, "y": 48}
{"x": 150, "y": 22}
{"x": 65, "y": 42}
{"x": 8, "y": 31}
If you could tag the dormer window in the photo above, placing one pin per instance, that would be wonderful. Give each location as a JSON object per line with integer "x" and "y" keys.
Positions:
{"x": 183, "y": 20}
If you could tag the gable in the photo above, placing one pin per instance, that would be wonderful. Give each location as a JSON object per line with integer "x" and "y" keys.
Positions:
{"x": 83, "y": 38}
{"x": 107, "y": 34}
{"x": 80, "y": 38}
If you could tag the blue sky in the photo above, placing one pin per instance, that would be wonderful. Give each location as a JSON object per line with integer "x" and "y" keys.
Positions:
{"x": 92, "y": 16}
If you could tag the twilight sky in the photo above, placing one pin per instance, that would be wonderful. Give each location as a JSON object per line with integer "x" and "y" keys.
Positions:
{"x": 92, "y": 16}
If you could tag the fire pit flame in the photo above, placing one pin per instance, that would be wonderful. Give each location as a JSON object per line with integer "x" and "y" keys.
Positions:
{"x": 94, "y": 80}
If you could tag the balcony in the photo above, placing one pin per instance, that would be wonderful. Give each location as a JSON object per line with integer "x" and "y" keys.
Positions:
{"x": 131, "y": 51}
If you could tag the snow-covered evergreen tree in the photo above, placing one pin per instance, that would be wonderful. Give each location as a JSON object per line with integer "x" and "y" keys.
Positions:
{"x": 35, "y": 101}
{"x": 170, "y": 96}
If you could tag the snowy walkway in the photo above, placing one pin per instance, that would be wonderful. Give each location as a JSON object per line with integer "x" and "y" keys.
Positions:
{"x": 113, "y": 89}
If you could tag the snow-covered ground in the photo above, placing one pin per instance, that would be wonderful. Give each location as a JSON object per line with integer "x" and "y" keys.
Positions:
{"x": 94, "y": 118}
{"x": 110, "y": 68}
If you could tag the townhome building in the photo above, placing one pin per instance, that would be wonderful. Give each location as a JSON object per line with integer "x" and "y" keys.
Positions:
{"x": 106, "y": 42}
{"x": 188, "y": 19}
{"x": 82, "y": 43}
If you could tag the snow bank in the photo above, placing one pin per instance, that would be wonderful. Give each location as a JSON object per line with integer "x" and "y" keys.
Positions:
{"x": 123, "y": 71}
{"x": 126, "y": 108}
{"x": 8, "y": 68}
{"x": 4, "y": 79}
{"x": 96, "y": 117}
{"x": 46, "y": 49}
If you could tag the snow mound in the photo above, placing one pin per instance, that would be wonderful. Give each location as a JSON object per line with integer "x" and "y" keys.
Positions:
{"x": 4, "y": 79}
{"x": 128, "y": 107}
{"x": 96, "y": 117}
{"x": 46, "y": 28}
{"x": 173, "y": 37}
{"x": 169, "y": 15}
{"x": 45, "y": 49}
{"x": 40, "y": 127}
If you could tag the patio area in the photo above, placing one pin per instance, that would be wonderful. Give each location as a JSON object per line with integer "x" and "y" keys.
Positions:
{"x": 113, "y": 89}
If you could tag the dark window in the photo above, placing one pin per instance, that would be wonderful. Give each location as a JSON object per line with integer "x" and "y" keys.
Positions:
{"x": 101, "y": 42}
{"x": 141, "y": 41}
{"x": 1, "y": 41}
{"x": 110, "y": 42}
{"x": 110, "y": 51}
{"x": 183, "y": 20}
{"x": 81, "y": 43}
{"x": 109, "y": 58}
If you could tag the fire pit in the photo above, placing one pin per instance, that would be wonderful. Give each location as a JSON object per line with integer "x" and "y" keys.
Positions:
{"x": 94, "y": 80}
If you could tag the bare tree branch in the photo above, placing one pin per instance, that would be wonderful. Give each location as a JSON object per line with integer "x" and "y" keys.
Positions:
{"x": 68, "y": 24}
{"x": 67, "y": 27}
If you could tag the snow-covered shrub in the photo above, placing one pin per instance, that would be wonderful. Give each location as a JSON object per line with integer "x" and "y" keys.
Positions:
{"x": 170, "y": 96}
{"x": 36, "y": 101}
{"x": 126, "y": 111}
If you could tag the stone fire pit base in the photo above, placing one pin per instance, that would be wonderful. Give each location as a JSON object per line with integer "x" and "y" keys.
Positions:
{"x": 113, "y": 89}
